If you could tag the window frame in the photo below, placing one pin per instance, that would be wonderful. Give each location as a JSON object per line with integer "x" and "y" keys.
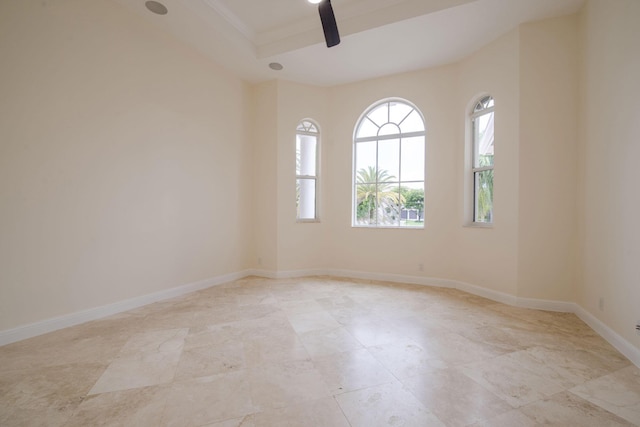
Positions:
{"x": 476, "y": 113}
{"x": 387, "y": 137}
{"x": 307, "y": 125}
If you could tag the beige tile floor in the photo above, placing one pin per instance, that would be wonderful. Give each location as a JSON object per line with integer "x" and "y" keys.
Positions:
{"x": 320, "y": 352}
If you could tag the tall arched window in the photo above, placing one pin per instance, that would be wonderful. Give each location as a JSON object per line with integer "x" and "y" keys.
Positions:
{"x": 307, "y": 148}
{"x": 389, "y": 166}
{"x": 482, "y": 160}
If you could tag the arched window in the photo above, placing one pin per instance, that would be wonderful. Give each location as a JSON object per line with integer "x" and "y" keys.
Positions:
{"x": 482, "y": 117}
{"x": 389, "y": 166}
{"x": 307, "y": 149}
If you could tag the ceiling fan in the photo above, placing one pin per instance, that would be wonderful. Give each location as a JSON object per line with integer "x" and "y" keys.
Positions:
{"x": 328, "y": 19}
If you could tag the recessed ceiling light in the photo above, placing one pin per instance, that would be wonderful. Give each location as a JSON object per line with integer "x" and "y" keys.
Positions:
{"x": 156, "y": 7}
{"x": 314, "y": 1}
{"x": 276, "y": 66}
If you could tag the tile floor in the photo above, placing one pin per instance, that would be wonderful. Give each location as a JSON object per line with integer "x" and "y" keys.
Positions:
{"x": 320, "y": 352}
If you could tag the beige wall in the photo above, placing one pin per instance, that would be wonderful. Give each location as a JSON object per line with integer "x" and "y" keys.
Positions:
{"x": 531, "y": 249}
{"x": 488, "y": 257}
{"x": 610, "y": 149}
{"x": 301, "y": 246}
{"x": 281, "y": 243}
{"x": 547, "y": 220}
{"x": 122, "y": 161}
{"x": 129, "y": 164}
{"x": 265, "y": 192}
{"x": 390, "y": 250}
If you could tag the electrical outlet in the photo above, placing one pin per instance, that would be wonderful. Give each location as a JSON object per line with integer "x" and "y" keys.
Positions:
{"x": 259, "y": 260}
{"x": 421, "y": 267}
{"x": 601, "y": 304}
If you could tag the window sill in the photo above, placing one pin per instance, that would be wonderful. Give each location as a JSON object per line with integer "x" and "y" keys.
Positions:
{"x": 478, "y": 225}
{"x": 307, "y": 221}
{"x": 387, "y": 228}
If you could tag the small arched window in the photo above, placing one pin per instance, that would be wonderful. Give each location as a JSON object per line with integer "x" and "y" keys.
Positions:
{"x": 307, "y": 149}
{"x": 389, "y": 166}
{"x": 482, "y": 117}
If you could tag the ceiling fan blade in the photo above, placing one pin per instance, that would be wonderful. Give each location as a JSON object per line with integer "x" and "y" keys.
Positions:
{"x": 329, "y": 25}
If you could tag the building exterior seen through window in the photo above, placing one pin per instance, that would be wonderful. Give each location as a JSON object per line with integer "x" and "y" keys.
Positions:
{"x": 389, "y": 166}
{"x": 307, "y": 148}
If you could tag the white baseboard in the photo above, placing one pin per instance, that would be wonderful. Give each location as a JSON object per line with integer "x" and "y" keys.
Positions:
{"x": 546, "y": 305}
{"x": 49, "y": 325}
{"x": 267, "y": 274}
{"x": 487, "y": 293}
{"x": 505, "y": 298}
{"x": 384, "y": 277}
{"x": 287, "y": 274}
{"x": 622, "y": 345}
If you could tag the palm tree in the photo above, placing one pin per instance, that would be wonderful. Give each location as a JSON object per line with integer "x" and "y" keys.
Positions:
{"x": 484, "y": 188}
{"x": 374, "y": 193}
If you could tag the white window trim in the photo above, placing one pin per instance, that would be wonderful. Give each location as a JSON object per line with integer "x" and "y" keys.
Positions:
{"x": 315, "y": 177}
{"x": 470, "y": 169}
{"x": 399, "y": 136}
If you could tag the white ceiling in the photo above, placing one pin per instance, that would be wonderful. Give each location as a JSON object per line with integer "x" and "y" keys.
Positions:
{"x": 379, "y": 37}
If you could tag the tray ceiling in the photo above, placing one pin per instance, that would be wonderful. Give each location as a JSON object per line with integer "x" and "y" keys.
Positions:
{"x": 379, "y": 37}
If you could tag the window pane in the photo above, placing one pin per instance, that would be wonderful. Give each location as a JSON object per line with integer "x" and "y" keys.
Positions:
{"x": 389, "y": 160}
{"x": 483, "y": 140}
{"x": 306, "y": 198}
{"x": 390, "y": 202}
{"x": 398, "y": 112}
{"x": 366, "y": 160}
{"x": 483, "y": 211}
{"x": 412, "y": 214}
{"x": 306, "y": 155}
{"x": 380, "y": 114}
{"x": 484, "y": 103}
{"x": 366, "y": 196}
{"x": 389, "y": 129}
{"x": 413, "y": 123}
{"x": 413, "y": 159}
{"x": 307, "y": 126}
{"x": 367, "y": 128}
{"x": 389, "y": 167}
